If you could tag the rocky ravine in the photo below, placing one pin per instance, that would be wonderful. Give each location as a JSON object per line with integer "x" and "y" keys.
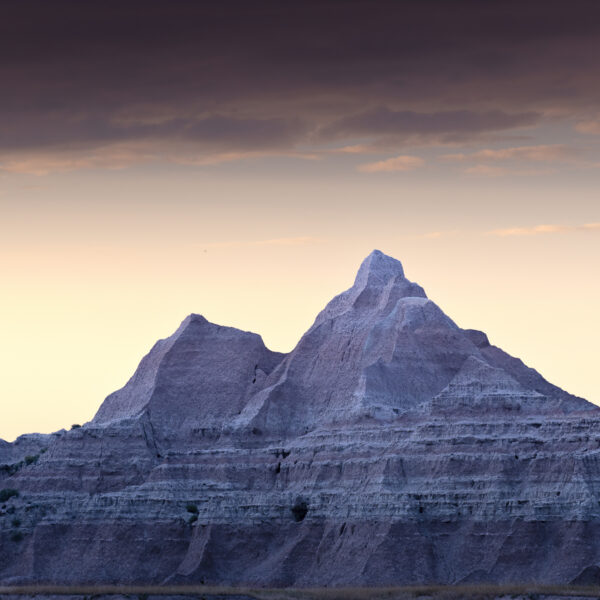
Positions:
{"x": 389, "y": 447}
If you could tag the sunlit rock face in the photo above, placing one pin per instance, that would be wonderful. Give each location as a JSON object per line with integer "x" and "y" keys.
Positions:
{"x": 389, "y": 447}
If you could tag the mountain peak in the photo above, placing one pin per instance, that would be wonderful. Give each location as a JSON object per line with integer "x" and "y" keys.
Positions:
{"x": 386, "y": 422}
{"x": 379, "y": 268}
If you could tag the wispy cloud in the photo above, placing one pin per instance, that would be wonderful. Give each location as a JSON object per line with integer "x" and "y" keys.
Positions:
{"x": 226, "y": 157}
{"x": 43, "y": 163}
{"x": 356, "y": 149}
{"x": 495, "y": 171}
{"x": 588, "y": 127}
{"x": 122, "y": 156}
{"x": 398, "y": 163}
{"x": 385, "y": 121}
{"x": 545, "y": 229}
{"x": 539, "y": 153}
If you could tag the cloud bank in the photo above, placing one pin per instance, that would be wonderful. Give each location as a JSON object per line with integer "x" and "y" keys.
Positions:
{"x": 84, "y": 80}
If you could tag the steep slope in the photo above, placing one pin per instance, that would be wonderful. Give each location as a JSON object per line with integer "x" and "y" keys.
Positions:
{"x": 199, "y": 377}
{"x": 376, "y": 351}
{"x": 390, "y": 446}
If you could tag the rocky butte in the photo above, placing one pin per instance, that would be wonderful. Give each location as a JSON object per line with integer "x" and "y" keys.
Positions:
{"x": 389, "y": 447}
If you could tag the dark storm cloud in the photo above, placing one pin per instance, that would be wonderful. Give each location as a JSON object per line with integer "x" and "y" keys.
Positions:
{"x": 217, "y": 131}
{"x": 232, "y": 76}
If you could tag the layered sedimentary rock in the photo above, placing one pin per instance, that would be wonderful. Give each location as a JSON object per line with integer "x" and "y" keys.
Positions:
{"x": 389, "y": 447}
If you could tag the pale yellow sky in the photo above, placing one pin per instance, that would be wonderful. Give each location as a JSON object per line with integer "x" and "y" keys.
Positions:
{"x": 96, "y": 266}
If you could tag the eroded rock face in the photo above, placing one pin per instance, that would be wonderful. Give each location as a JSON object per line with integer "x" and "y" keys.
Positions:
{"x": 389, "y": 447}
{"x": 202, "y": 376}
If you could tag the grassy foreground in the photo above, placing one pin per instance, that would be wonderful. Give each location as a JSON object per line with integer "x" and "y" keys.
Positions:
{"x": 476, "y": 591}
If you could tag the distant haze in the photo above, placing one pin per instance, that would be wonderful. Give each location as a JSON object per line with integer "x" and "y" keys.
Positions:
{"x": 239, "y": 160}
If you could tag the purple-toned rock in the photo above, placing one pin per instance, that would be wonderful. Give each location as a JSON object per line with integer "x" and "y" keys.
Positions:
{"x": 389, "y": 447}
{"x": 199, "y": 378}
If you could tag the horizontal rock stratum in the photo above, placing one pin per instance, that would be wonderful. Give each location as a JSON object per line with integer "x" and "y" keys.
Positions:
{"x": 389, "y": 447}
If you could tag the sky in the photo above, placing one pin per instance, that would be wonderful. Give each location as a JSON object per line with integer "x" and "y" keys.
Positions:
{"x": 240, "y": 159}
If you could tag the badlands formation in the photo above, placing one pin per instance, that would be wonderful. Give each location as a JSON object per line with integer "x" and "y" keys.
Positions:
{"x": 389, "y": 447}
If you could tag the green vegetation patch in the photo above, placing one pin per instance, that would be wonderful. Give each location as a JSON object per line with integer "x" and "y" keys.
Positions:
{"x": 7, "y": 494}
{"x": 17, "y": 536}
